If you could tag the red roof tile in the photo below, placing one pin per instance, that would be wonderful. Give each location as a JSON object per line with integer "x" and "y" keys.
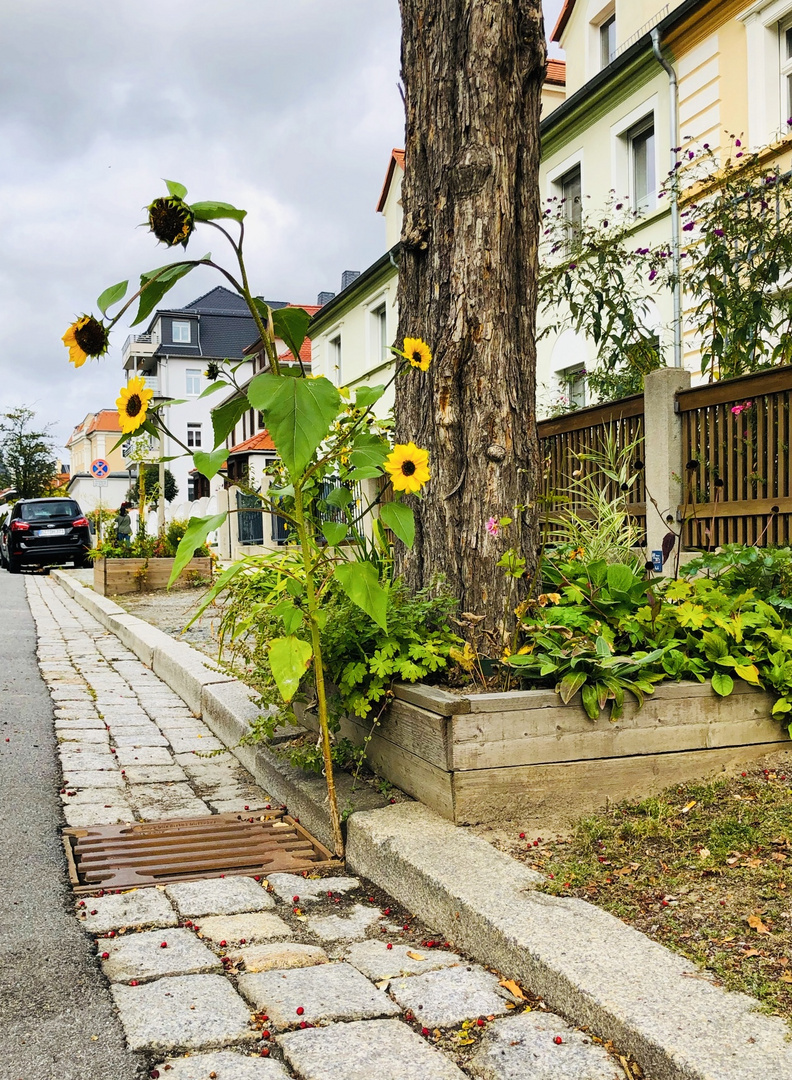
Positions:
{"x": 556, "y": 72}
{"x": 305, "y": 353}
{"x": 396, "y": 158}
{"x": 262, "y": 441}
{"x": 563, "y": 19}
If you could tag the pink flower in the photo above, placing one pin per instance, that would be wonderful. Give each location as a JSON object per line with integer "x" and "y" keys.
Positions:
{"x": 492, "y": 526}
{"x": 737, "y": 409}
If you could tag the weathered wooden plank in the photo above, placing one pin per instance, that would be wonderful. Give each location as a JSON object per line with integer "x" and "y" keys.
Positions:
{"x": 591, "y": 417}
{"x": 773, "y": 381}
{"x": 414, "y": 775}
{"x": 432, "y": 698}
{"x": 419, "y": 732}
{"x": 582, "y": 786}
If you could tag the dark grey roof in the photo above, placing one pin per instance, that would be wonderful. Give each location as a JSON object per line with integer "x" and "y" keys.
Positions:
{"x": 226, "y": 327}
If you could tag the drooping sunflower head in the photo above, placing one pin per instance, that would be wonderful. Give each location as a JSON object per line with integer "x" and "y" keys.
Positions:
{"x": 212, "y": 370}
{"x": 171, "y": 220}
{"x": 133, "y": 402}
{"x": 86, "y": 337}
{"x": 418, "y": 353}
{"x": 408, "y": 467}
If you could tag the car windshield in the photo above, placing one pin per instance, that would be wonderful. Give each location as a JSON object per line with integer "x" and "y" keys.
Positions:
{"x": 46, "y": 511}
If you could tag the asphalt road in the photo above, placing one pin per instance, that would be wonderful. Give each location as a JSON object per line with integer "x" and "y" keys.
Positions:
{"x": 56, "y": 1015}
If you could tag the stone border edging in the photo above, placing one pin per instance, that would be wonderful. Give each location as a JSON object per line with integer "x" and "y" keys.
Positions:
{"x": 587, "y": 964}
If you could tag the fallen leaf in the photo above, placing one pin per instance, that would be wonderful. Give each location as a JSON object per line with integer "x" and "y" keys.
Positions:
{"x": 513, "y": 988}
{"x": 510, "y": 1005}
{"x": 735, "y": 859}
{"x": 786, "y": 977}
{"x": 755, "y": 922}
{"x": 751, "y": 952}
{"x": 415, "y": 955}
{"x": 704, "y": 853}
{"x": 383, "y": 985}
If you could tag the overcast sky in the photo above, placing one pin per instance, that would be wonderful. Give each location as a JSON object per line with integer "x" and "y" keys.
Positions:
{"x": 287, "y": 108}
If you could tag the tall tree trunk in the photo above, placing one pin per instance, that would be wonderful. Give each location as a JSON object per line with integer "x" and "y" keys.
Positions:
{"x": 473, "y": 73}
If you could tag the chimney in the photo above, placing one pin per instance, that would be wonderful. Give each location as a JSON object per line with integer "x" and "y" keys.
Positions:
{"x": 348, "y": 277}
{"x": 324, "y": 298}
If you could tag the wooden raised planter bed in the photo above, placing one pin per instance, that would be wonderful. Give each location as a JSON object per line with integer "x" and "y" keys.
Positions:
{"x": 485, "y": 757}
{"x": 114, "y": 577}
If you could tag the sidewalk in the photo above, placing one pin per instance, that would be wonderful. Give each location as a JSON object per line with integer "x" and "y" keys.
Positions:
{"x": 241, "y": 979}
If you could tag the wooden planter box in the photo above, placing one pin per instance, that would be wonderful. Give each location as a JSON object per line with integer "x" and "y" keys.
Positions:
{"x": 485, "y": 757}
{"x": 113, "y": 577}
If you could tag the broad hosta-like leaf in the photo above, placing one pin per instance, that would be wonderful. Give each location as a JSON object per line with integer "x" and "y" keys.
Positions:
{"x": 194, "y": 536}
{"x": 298, "y": 414}
{"x": 289, "y": 658}
{"x": 400, "y": 519}
{"x": 722, "y": 683}
{"x": 360, "y": 582}
{"x": 570, "y": 684}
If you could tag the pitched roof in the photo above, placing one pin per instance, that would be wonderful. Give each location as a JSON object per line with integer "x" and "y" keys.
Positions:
{"x": 104, "y": 420}
{"x": 305, "y": 353}
{"x": 563, "y": 19}
{"x": 556, "y": 72}
{"x": 396, "y": 158}
{"x": 262, "y": 441}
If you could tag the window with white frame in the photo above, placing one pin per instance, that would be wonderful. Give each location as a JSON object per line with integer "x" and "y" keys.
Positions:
{"x": 379, "y": 333}
{"x": 194, "y": 435}
{"x": 785, "y": 36}
{"x": 643, "y": 170}
{"x": 607, "y": 40}
{"x": 334, "y": 345}
{"x": 573, "y": 385}
{"x": 193, "y": 381}
{"x": 181, "y": 333}
{"x": 570, "y": 190}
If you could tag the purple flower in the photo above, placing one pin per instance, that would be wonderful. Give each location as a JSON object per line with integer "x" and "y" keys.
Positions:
{"x": 619, "y": 205}
{"x": 691, "y": 155}
{"x": 706, "y": 146}
{"x": 739, "y": 155}
{"x": 737, "y": 142}
{"x": 653, "y": 275}
{"x": 719, "y": 232}
{"x": 573, "y": 266}
{"x": 689, "y": 226}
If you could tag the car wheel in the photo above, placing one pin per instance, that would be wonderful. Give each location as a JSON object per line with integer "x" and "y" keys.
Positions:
{"x": 14, "y": 565}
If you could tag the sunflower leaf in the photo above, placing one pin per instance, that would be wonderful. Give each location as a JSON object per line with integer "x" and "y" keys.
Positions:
{"x": 214, "y": 387}
{"x": 366, "y": 396}
{"x": 226, "y": 417}
{"x": 112, "y": 296}
{"x": 194, "y": 536}
{"x": 291, "y": 324}
{"x": 209, "y": 465}
{"x": 298, "y": 414}
{"x": 177, "y": 190}
{"x": 360, "y": 582}
{"x": 400, "y": 519}
{"x": 155, "y": 283}
{"x": 368, "y": 451}
{"x": 289, "y": 658}
{"x": 209, "y": 211}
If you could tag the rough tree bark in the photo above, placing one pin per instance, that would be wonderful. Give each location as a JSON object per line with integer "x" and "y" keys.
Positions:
{"x": 473, "y": 73}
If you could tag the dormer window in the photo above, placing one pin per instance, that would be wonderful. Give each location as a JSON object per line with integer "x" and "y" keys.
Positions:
{"x": 607, "y": 36}
{"x": 181, "y": 333}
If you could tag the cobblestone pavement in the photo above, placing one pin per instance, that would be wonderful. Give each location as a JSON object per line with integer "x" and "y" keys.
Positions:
{"x": 243, "y": 978}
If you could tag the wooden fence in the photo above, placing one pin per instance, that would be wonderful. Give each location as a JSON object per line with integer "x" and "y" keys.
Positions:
{"x": 563, "y": 438}
{"x": 735, "y": 448}
{"x": 732, "y": 459}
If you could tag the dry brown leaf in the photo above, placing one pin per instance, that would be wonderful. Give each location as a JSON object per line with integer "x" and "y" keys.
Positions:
{"x": 415, "y": 955}
{"x": 755, "y": 922}
{"x": 624, "y": 870}
{"x": 513, "y": 988}
{"x": 786, "y": 977}
{"x": 510, "y": 1005}
{"x": 704, "y": 853}
{"x": 732, "y": 861}
{"x": 751, "y": 952}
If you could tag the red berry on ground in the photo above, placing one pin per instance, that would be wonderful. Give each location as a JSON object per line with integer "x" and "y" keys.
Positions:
{"x": 93, "y": 911}
{"x": 133, "y": 982}
{"x": 247, "y": 807}
{"x": 163, "y": 944}
{"x": 243, "y": 941}
{"x": 480, "y": 1022}
{"x": 424, "y": 1031}
{"x": 389, "y": 946}
{"x": 558, "y": 1040}
{"x": 265, "y": 1034}
{"x": 223, "y": 943}
{"x": 295, "y": 899}
{"x": 744, "y": 774}
{"x": 300, "y": 1010}
{"x": 264, "y": 1018}
{"x": 536, "y": 843}
{"x": 303, "y": 1024}
{"x": 265, "y": 1051}
{"x": 105, "y": 955}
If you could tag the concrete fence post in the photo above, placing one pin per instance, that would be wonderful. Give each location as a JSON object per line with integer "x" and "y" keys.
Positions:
{"x": 662, "y": 451}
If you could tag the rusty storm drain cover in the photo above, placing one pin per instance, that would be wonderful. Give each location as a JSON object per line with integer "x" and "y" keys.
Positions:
{"x": 155, "y": 853}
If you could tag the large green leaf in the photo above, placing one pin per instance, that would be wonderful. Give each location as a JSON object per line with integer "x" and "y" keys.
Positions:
{"x": 400, "y": 519}
{"x": 368, "y": 450}
{"x": 620, "y": 577}
{"x": 298, "y": 414}
{"x": 209, "y": 211}
{"x": 366, "y": 396}
{"x": 209, "y": 465}
{"x": 212, "y": 388}
{"x": 570, "y": 684}
{"x": 715, "y": 647}
{"x": 194, "y": 535}
{"x": 339, "y": 497}
{"x": 291, "y": 324}
{"x": 154, "y": 290}
{"x": 722, "y": 683}
{"x": 177, "y": 190}
{"x": 360, "y": 582}
{"x": 226, "y": 417}
{"x": 112, "y": 296}
{"x": 289, "y": 658}
{"x": 334, "y": 532}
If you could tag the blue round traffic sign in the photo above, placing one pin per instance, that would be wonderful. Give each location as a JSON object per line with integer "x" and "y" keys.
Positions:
{"x": 99, "y": 468}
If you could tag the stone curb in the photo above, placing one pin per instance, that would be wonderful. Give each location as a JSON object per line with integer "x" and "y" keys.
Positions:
{"x": 589, "y": 966}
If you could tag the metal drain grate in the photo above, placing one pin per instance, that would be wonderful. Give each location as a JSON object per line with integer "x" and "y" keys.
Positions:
{"x": 155, "y": 853}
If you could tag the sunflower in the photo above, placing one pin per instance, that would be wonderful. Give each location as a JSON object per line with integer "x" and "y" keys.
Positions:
{"x": 408, "y": 467}
{"x": 86, "y": 337}
{"x": 171, "y": 220}
{"x": 133, "y": 404}
{"x": 418, "y": 353}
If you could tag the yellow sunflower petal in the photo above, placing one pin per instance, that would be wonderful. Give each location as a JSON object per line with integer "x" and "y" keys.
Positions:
{"x": 133, "y": 402}
{"x": 418, "y": 353}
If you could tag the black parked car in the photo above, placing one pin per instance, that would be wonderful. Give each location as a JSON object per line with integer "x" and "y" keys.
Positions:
{"x": 44, "y": 532}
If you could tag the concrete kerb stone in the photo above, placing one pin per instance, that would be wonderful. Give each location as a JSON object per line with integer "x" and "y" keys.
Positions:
{"x": 586, "y": 964}
{"x": 140, "y": 637}
{"x": 185, "y": 671}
